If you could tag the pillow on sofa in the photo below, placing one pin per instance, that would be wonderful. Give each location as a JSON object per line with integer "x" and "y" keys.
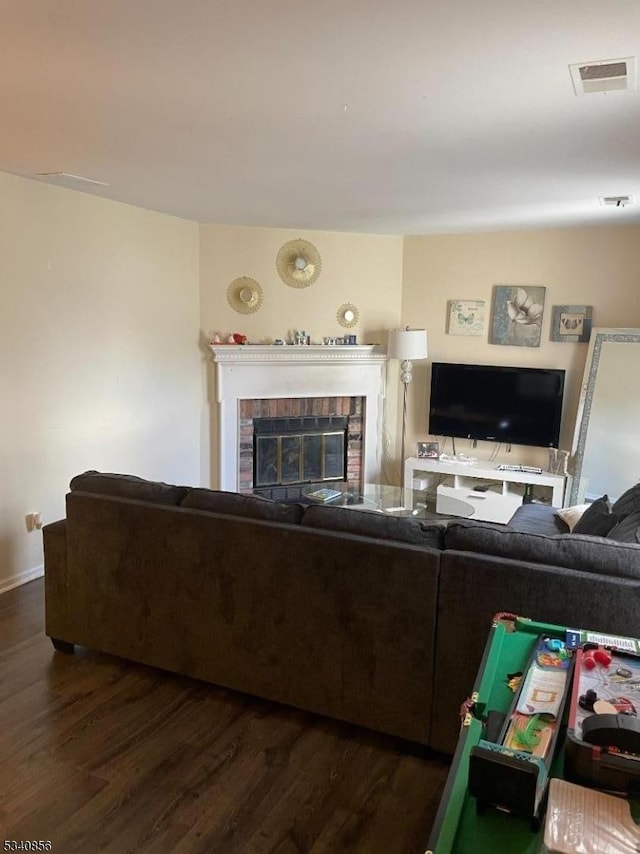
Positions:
{"x": 572, "y": 515}
{"x": 628, "y": 530}
{"x": 373, "y": 524}
{"x": 249, "y": 506}
{"x": 597, "y": 519}
{"x": 127, "y": 486}
{"x": 537, "y": 519}
{"x": 629, "y": 502}
{"x": 573, "y": 551}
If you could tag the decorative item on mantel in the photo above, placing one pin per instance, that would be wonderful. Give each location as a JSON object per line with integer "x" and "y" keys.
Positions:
{"x": 301, "y": 337}
{"x": 231, "y": 338}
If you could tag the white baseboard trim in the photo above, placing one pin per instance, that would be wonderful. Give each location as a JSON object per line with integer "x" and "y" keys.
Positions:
{"x": 21, "y": 578}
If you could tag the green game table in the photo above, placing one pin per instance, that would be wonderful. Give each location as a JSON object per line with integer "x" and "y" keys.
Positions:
{"x": 457, "y": 828}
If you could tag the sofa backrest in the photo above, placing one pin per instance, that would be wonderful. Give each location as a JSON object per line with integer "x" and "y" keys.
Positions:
{"x": 572, "y": 551}
{"x": 128, "y": 486}
{"x": 372, "y": 524}
{"x": 248, "y": 506}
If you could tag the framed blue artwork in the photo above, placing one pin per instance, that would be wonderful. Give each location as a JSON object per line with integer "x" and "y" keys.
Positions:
{"x": 571, "y": 324}
{"x": 516, "y": 315}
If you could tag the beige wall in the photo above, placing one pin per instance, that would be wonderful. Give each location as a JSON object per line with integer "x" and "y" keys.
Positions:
{"x": 586, "y": 266}
{"x": 365, "y": 270}
{"x": 106, "y": 310}
{"x": 98, "y": 348}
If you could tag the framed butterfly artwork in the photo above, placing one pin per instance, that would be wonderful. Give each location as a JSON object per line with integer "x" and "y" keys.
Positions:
{"x": 466, "y": 317}
{"x": 571, "y": 324}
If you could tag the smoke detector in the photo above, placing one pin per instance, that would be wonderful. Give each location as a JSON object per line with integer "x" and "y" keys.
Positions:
{"x": 616, "y": 201}
{"x": 604, "y": 75}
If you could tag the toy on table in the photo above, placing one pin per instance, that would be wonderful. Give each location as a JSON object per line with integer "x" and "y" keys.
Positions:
{"x": 512, "y": 772}
{"x": 591, "y": 657}
{"x": 602, "y": 746}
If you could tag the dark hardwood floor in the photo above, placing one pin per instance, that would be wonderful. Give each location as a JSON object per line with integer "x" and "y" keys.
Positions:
{"x": 99, "y": 754}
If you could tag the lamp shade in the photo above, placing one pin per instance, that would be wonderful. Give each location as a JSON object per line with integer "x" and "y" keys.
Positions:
{"x": 407, "y": 344}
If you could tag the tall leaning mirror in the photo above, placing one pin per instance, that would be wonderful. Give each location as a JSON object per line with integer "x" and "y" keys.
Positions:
{"x": 606, "y": 449}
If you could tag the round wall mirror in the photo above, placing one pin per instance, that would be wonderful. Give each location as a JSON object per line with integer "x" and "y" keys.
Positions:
{"x": 348, "y": 315}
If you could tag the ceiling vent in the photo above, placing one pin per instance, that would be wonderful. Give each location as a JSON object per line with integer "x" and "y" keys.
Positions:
{"x": 616, "y": 201}
{"x": 605, "y": 75}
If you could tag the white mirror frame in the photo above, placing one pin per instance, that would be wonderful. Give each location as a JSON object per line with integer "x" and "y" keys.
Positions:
{"x": 599, "y": 339}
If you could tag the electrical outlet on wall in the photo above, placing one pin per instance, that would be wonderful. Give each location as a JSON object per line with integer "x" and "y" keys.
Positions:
{"x": 33, "y": 521}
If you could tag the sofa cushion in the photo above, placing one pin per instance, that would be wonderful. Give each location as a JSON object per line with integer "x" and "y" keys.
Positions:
{"x": 629, "y": 502}
{"x": 628, "y": 530}
{"x": 538, "y": 519}
{"x": 127, "y": 486}
{"x": 573, "y": 551}
{"x": 572, "y": 515}
{"x": 597, "y": 519}
{"x": 249, "y": 506}
{"x": 378, "y": 525}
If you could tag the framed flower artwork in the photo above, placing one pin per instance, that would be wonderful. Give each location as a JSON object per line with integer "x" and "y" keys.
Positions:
{"x": 516, "y": 316}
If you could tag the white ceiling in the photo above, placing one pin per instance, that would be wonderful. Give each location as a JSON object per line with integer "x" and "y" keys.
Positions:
{"x": 405, "y": 117}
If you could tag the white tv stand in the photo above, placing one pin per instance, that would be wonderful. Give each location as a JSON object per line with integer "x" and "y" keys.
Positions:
{"x": 498, "y": 503}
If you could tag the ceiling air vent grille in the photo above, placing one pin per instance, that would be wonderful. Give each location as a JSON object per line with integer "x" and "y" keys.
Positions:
{"x": 613, "y": 70}
{"x": 616, "y": 201}
{"x": 607, "y": 75}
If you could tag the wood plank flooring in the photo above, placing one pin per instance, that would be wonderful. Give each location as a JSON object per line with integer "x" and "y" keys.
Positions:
{"x": 99, "y": 754}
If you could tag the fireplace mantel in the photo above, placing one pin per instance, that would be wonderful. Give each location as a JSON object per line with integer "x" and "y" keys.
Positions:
{"x": 297, "y": 354}
{"x": 246, "y": 372}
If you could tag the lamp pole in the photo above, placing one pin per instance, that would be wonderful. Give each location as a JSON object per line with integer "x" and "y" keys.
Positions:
{"x": 407, "y": 345}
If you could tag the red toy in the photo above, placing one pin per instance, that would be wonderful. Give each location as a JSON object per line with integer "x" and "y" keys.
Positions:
{"x": 591, "y": 657}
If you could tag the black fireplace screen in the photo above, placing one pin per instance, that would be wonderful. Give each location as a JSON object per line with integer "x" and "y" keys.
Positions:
{"x": 299, "y": 450}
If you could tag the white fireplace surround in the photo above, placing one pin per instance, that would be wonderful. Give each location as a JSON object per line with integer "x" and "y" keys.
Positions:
{"x": 255, "y": 371}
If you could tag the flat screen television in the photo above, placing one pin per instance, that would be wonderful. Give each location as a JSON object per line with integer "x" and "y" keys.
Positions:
{"x": 514, "y": 405}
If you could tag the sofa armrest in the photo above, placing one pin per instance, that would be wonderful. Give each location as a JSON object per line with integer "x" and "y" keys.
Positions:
{"x": 54, "y": 538}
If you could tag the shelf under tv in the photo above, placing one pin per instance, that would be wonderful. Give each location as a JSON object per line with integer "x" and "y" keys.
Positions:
{"x": 500, "y": 500}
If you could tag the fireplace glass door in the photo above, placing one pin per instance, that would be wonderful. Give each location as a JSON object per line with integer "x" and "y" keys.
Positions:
{"x": 302, "y": 456}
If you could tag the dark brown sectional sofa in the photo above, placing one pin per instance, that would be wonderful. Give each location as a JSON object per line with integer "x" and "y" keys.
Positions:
{"x": 364, "y": 617}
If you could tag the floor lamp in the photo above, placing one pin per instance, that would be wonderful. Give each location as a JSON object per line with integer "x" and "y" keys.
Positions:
{"x": 406, "y": 345}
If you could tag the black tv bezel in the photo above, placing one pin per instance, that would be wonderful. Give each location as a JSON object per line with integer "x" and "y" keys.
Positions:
{"x": 479, "y": 435}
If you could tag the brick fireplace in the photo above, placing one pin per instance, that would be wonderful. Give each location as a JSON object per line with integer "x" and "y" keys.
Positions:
{"x": 306, "y": 382}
